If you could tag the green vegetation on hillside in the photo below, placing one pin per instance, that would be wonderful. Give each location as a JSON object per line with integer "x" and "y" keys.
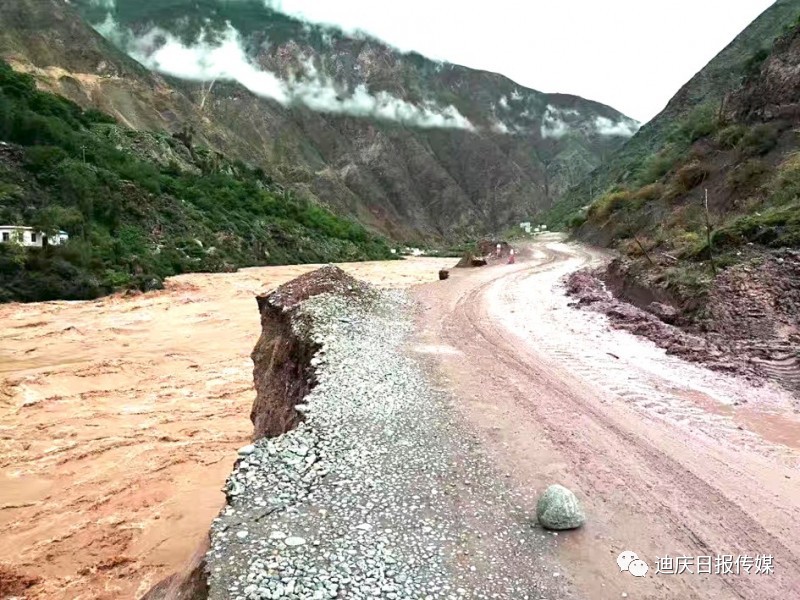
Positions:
{"x": 659, "y": 221}
{"x": 659, "y": 145}
{"x": 731, "y": 136}
{"x": 133, "y": 220}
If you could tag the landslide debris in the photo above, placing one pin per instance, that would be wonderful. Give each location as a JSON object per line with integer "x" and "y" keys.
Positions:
{"x": 485, "y": 253}
{"x": 707, "y": 224}
{"x": 749, "y": 322}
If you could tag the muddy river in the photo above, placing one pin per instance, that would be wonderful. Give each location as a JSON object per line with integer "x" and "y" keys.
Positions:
{"x": 119, "y": 422}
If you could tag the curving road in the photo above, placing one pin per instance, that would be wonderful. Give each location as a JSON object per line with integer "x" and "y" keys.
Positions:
{"x": 668, "y": 458}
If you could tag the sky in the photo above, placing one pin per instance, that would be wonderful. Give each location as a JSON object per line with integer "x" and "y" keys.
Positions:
{"x": 633, "y": 55}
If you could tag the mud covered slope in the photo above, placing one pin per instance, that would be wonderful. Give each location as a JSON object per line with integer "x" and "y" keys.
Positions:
{"x": 409, "y": 146}
{"x": 733, "y": 274}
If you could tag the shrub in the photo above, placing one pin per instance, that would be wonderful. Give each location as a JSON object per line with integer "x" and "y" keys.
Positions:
{"x": 775, "y": 226}
{"x": 730, "y": 136}
{"x": 701, "y": 122}
{"x": 787, "y": 185}
{"x": 758, "y": 140}
{"x": 747, "y": 175}
{"x": 650, "y": 192}
{"x": 690, "y": 176}
{"x": 575, "y": 220}
{"x": 753, "y": 64}
{"x": 9, "y": 191}
{"x": 688, "y": 242}
{"x": 607, "y": 204}
{"x": 44, "y": 160}
{"x": 116, "y": 279}
{"x": 658, "y": 165}
{"x": 688, "y": 280}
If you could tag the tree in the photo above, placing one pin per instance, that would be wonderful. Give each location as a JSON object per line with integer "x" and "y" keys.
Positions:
{"x": 52, "y": 219}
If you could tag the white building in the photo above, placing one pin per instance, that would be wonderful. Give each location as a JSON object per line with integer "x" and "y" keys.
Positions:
{"x": 27, "y": 236}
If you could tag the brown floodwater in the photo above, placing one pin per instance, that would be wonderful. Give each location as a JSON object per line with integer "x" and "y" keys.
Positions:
{"x": 119, "y": 422}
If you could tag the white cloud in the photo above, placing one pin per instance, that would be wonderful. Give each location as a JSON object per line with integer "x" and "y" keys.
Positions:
{"x": 163, "y": 52}
{"x": 226, "y": 60}
{"x": 553, "y": 125}
{"x": 639, "y": 83}
{"x": 554, "y": 128}
{"x": 500, "y": 127}
{"x": 623, "y": 128}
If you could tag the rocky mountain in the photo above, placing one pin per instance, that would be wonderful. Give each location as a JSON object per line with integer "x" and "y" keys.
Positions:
{"x": 708, "y": 226}
{"x": 410, "y": 147}
{"x": 654, "y": 146}
{"x": 140, "y": 206}
{"x": 740, "y": 144}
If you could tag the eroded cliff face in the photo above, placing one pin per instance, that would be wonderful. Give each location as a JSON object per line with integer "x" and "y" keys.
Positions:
{"x": 283, "y": 373}
{"x": 283, "y": 369}
{"x": 774, "y": 91}
{"x": 189, "y": 584}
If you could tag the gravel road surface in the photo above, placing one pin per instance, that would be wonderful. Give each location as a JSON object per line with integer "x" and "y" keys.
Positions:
{"x": 380, "y": 493}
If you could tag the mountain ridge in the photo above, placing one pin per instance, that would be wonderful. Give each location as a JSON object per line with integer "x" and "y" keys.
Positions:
{"x": 709, "y": 85}
{"x": 407, "y": 183}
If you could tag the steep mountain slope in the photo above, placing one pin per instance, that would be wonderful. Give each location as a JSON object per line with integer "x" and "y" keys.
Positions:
{"x": 411, "y": 147}
{"x": 700, "y": 96}
{"x": 711, "y": 225}
{"x": 140, "y": 206}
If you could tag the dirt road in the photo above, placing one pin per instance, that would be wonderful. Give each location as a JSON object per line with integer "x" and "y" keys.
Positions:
{"x": 120, "y": 419}
{"x": 668, "y": 458}
{"x": 119, "y": 422}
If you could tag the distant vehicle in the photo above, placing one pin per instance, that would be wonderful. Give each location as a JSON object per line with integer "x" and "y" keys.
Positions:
{"x": 29, "y": 237}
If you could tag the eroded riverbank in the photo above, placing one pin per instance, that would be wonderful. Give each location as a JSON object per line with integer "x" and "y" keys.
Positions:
{"x": 119, "y": 414}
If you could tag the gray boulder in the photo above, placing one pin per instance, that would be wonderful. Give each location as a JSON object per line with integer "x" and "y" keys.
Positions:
{"x": 558, "y": 508}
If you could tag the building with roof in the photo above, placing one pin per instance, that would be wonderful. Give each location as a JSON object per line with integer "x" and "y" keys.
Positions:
{"x": 29, "y": 237}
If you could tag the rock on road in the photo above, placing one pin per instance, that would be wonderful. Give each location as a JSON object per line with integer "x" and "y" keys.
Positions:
{"x": 661, "y": 454}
